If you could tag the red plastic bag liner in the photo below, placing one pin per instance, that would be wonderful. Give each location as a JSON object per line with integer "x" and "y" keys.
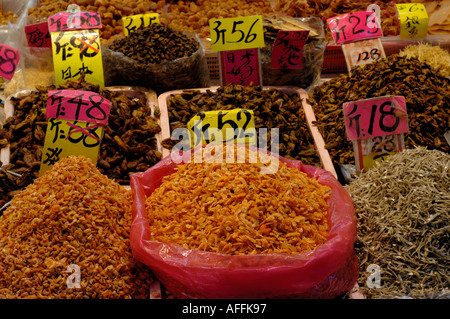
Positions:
{"x": 329, "y": 271}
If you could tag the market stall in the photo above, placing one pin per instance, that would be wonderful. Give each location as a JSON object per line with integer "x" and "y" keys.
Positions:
{"x": 224, "y": 149}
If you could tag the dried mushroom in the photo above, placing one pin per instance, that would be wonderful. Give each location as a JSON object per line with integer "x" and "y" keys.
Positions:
{"x": 272, "y": 108}
{"x": 425, "y": 92}
{"x": 129, "y": 143}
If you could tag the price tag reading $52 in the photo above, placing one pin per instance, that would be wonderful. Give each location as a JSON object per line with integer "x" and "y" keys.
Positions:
{"x": 75, "y": 125}
{"x": 225, "y": 126}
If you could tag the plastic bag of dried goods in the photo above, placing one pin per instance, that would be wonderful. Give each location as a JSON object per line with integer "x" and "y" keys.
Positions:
{"x": 183, "y": 72}
{"x": 329, "y": 271}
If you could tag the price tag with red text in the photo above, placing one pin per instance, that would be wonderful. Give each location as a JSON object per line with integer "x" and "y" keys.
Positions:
{"x": 38, "y": 35}
{"x": 287, "y": 52}
{"x": 355, "y": 26}
{"x": 9, "y": 59}
{"x": 75, "y": 125}
{"x": 362, "y": 52}
{"x": 131, "y": 23}
{"x": 240, "y": 67}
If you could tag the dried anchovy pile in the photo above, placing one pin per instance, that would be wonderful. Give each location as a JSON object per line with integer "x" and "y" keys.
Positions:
{"x": 129, "y": 143}
{"x": 426, "y": 94}
{"x": 72, "y": 215}
{"x": 155, "y": 44}
{"x": 272, "y": 108}
{"x": 403, "y": 212}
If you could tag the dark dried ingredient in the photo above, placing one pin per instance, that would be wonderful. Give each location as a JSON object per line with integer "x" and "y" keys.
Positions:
{"x": 155, "y": 44}
{"x": 272, "y": 108}
{"x": 130, "y": 124}
{"x": 426, "y": 94}
{"x": 402, "y": 207}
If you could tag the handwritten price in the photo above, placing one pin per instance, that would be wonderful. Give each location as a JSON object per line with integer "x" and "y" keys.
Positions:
{"x": 65, "y": 21}
{"x": 355, "y": 26}
{"x": 375, "y": 117}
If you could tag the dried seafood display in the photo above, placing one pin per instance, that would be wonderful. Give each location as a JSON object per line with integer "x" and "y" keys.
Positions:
{"x": 253, "y": 213}
{"x": 129, "y": 143}
{"x": 425, "y": 92}
{"x": 71, "y": 218}
{"x": 272, "y": 108}
{"x": 434, "y": 55}
{"x": 402, "y": 206}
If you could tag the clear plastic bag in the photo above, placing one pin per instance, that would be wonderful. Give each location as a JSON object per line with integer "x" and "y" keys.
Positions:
{"x": 329, "y": 271}
{"x": 186, "y": 72}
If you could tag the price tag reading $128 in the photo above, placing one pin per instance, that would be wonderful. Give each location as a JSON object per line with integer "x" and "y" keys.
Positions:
{"x": 362, "y": 52}
{"x": 75, "y": 125}
{"x": 237, "y": 126}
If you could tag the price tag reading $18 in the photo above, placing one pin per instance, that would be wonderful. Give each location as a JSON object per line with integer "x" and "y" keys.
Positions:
{"x": 236, "y": 33}
{"x": 413, "y": 20}
{"x": 376, "y": 126}
{"x": 225, "y": 126}
{"x": 131, "y": 23}
{"x": 76, "y": 51}
{"x": 75, "y": 125}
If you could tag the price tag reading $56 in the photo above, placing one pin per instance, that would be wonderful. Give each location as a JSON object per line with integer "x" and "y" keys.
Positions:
{"x": 225, "y": 126}
{"x": 75, "y": 125}
{"x": 236, "y": 33}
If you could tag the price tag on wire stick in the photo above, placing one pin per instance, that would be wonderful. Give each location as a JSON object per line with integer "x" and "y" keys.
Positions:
{"x": 75, "y": 126}
{"x": 240, "y": 67}
{"x": 375, "y": 117}
{"x": 225, "y": 126}
{"x": 287, "y": 52}
{"x": 368, "y": 151}
{"x": 362, "y": 52}
{"x": 9, "y": 59}
{"x": 131, "y": 23}
{"x": 413, "y": 20}
{"x": 355, "y": 26}
{"x": 38, "y": 35}
{"x": 236, "y": 33}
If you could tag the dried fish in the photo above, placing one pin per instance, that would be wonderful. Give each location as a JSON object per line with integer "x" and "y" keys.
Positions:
{"x": 402, "y": 207}
{"x": 425, "y": 92}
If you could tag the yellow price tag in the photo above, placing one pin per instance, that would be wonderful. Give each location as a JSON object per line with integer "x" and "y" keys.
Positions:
{"x": 131, "y": 23}
{"x": 413, "y": 20}
{"x": 77, "y": 52}
{"x": 236, "y": 33}
{"x": 217, "y": 127}
{"x": 64, "y": 138}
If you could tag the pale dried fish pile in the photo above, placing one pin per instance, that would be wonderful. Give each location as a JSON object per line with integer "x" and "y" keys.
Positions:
{"x": 403, "y": 209}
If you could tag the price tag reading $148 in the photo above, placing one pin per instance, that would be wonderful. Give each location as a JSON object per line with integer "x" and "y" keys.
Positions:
{"x": 75, "y": 125}
{"x": 76, "y": 46}
{"x": 376, "y": 127}
{"x": 237, "y": 126}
